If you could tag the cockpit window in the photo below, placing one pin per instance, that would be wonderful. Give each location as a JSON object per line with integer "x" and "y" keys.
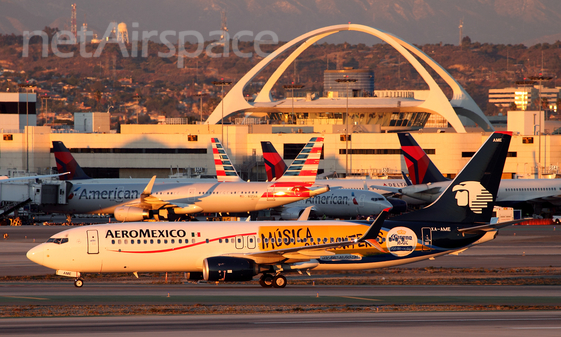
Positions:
{"x": 58, "y": 241}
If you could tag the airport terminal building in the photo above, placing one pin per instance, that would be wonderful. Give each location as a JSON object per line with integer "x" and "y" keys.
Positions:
{"x": 357, "y": 121}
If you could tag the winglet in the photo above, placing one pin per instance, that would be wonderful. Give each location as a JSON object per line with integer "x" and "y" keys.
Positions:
{"x": 372, "y": 232}
{"x": 407, "y": 180}
{"x": 305, "y": 214}
{"x": 148, "y": 189}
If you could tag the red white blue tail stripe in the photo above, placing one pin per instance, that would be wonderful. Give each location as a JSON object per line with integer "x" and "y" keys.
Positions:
{"x": 225, "y": 171}
{"x": 305, "y": 167}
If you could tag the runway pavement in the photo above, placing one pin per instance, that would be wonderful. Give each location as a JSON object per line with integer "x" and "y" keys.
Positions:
{"x": 420, "y": 324}
{"x": 64, "y": 293}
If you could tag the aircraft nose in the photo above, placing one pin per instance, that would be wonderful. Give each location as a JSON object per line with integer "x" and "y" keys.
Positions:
{"x": 37, "y": 254}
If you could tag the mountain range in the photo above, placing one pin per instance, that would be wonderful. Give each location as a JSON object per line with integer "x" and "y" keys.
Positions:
{"x": 417, "y": 21}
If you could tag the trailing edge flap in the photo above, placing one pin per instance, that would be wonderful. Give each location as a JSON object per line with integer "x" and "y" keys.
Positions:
{"x": 317, "y": 250}
{"x": 305, "y": 214}
{"x": 489, "y": 227}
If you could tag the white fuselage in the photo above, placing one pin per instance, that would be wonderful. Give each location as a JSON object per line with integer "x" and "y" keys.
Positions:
{"x": 339, "y": 203}
{"x": 211, "y": 197}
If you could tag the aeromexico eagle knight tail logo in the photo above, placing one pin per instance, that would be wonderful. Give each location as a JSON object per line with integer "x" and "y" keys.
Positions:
{"x": 472, "y": 194}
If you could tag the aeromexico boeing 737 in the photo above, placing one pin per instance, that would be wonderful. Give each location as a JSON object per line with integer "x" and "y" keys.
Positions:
{"x": 238, "y": 251}
{"x": 133, "y": 201}
{"x": 512, "y": 192}
{"x": 337, "y": 203}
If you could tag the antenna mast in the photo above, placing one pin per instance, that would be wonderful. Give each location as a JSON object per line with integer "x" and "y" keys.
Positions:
{"x": 73, "y": 26}
{"x": 461, "y": 33}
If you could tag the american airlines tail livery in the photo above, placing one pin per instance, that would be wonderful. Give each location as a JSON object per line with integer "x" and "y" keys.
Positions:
{"x": 169, "y": 200}
{"x": 239, "y": 251}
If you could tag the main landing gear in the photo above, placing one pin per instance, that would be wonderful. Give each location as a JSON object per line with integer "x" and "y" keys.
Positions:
{"x": 268, "y": 281}
{"x": 78, "y": 283}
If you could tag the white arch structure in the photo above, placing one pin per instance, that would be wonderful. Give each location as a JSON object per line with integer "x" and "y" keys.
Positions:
{"x": 436, "y": 101}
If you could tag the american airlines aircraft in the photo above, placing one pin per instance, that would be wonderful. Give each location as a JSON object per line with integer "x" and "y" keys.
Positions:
{"x": 337, "y": 203}
{"x": 133, "y": 201}
{"x": 238, "y": 251}
{"x": 512, "y": 192}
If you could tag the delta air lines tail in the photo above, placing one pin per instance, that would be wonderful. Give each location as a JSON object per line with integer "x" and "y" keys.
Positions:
{"x": 65, "y": 162}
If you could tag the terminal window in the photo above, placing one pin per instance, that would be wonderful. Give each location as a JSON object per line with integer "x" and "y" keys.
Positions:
{"x": 8, "y": 137}
{"x": 527, "y": 140}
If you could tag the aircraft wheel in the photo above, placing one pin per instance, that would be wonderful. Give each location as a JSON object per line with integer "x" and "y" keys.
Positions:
{"x": 78, "y": 283}
{"x": 279, "y": 281}
{"x": 266, "y": 281}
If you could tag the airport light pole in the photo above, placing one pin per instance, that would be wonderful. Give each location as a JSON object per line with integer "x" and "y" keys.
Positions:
{"x": 27, "y": 86}
{"x": 540, "y": 79}
{"x": 222, "y": 84}
{"x": 201, "y": 95}
{"x": 347, "y": 81}
{"x": 292, "y": 87}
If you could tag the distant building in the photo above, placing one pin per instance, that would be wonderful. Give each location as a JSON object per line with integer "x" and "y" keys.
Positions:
{"x": 363, "y": 87}
{"x": 524, "y": 95}
{"x": 17, "y": 110}
{"x": 92, "y": 122}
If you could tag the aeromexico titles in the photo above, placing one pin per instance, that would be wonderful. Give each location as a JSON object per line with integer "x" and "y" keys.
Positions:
{"x": 135, "y": 201}
{"x": 239, "y": 251}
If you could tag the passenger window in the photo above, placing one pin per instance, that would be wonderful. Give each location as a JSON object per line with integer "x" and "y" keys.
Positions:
{"x": 112, "y": 242}
{"x": 226, "y": 240}
{"x": 219, "y": 240}
{"x": 126, "y": 241}
{"x": 159, "y": 241}
{"x": 166, "y": 241}
{"x": 145, "y": 241}
{"x": 180, "y": 241}
{"x": 152, "y": 241}
{"x": 172, "y": 241}
{"x": 132, "y": 242}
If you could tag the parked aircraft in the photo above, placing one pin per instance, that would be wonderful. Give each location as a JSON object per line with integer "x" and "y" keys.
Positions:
{"x": 238, "y": 251}
{"x": 133, "y": 201}
{"x": 337, "y": 203}
{"x": 512, "y": 192}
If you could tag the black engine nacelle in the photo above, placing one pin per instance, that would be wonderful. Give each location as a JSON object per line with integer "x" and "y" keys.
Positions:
{"x": 229, "y": 269}
{"x": 130, "y": 213}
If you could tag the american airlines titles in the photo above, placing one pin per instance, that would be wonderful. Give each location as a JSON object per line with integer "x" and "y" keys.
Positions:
{"x": 113, "y": 194}
{"x": 145, "y": 233}
{"x": 327, "y": 200}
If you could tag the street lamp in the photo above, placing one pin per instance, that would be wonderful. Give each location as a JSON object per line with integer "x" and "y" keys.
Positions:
{"x": 540, "y": 79}
{"x": 27, "y": 86}
{"x": 222, "y": 84}
{"x": 348, "y": 81}
{"x": 292, "y": 87}
{"x": 201, "y": 95}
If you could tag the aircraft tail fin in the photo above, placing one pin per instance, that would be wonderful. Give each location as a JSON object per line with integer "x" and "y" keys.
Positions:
{"x": 305, "y": 167}
{"x": 471, "y": 195}
{"x": 65, "y": 162}
{"x": 274, "y": 164}
{"x": 225, "y": 171}
{"x": 421, "y": 169}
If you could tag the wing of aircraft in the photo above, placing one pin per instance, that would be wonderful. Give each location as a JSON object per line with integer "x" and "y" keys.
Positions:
{"x": 4, "y": 179}
{"x": 225, "y": 171}
{"x": 316, "y": 250}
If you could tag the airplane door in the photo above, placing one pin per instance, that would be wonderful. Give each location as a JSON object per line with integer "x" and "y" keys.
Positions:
{"x": 191, "y": 194}
{"x": 93, "y": 242}
{"x": 427, "y": 237}
{"x": 239, "y": 242}
{"x": 270, "y": 194}
{"x": 251, "y": 242}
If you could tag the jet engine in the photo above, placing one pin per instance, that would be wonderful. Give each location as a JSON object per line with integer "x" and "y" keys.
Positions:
{"x": 131, "y": 213}
{"x": 291, "y": 213}
{"x": 224, "y": 268}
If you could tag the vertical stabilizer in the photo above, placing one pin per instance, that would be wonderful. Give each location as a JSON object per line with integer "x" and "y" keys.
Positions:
{"x": 274, "y": 164}
{"x": 421, "y": 169}
{"x": 471, "y": 195}
{"x": 65, "y": 162}
{"x": 225, "y": 171}
{"x": 305, "y": 167}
